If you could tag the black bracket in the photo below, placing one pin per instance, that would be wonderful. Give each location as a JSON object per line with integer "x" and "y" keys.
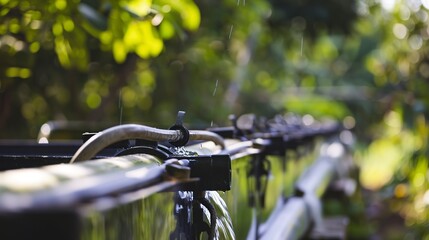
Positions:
{"x": 191, "y": 226}
{"x": 179, "y": 126}
{"x": 213, "y": 172}
{"x": 257, "y": 180}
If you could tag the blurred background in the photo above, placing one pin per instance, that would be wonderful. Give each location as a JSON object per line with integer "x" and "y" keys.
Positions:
{"x": 365, "y": 63}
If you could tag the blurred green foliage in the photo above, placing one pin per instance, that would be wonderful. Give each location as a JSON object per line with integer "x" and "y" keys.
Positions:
{"x": 76, "y": 59}
{"x": 142, "y": 60}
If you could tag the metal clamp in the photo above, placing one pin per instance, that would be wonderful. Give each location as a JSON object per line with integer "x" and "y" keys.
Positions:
{"x": 179, "y": 126}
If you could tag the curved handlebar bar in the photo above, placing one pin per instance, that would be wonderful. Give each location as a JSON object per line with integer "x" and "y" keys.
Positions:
{"x": 134, "y": 131}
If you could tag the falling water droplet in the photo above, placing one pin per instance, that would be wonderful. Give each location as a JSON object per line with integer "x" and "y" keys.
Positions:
{"x": 214, "y": 91}
{"x": 230, "y": 31}
{"x": 302, "y": 44}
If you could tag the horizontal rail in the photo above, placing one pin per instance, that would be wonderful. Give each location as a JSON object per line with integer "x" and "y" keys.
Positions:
{"x": 67, "y": 184}
{"x": 303, "y": 210}
{"x": 292, "y": 221}
{"x": 257, "y": 151}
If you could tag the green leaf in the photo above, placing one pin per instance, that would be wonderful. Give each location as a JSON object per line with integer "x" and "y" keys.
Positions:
{"x": 166, "y": 29}
{"x": 119, "y": 51}
{"x": 191, "y": 16}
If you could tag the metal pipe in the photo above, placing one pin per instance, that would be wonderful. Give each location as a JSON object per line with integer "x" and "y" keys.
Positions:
{"x": 317, "y": 177}
{"x": 304, "y": 210}
{"x": 63, "y": 185}
{"x": 237, "y": 147}
{"x": 294, "y": 219}
{"x": 134, "y": 131}
{"x": 292, "y": 222}
{"x": 207, "y": 136}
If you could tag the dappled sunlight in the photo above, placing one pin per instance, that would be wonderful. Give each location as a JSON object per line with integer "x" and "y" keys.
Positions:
{"x": 316, "y": 106}
{"x": 69, "y": 171}
{"x": 25, "y": 180}
{"x": 385, "y": 155}
{"x": 362, "y": 63}
{"x": 381, "y": 160}
{"x": 394, "y": 161}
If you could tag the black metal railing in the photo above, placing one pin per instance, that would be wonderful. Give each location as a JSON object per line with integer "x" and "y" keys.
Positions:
{"x": 147, "y": 183}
